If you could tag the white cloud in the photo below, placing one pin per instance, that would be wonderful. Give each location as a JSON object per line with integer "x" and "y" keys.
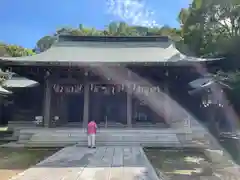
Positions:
{"x": 132, "y": 11}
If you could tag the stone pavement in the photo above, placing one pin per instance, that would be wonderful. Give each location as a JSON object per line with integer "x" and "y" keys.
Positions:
{"x": 102, "y": 163}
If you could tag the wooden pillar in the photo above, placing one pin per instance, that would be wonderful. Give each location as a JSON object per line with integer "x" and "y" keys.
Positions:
{"x": 129, "y": 109}
{"x": 167, "y": 107}
{"x": 86, "y": 103}
{"x": 63, "y": 109}
{"x": 129, "y": 101}
{"x": 47, "y": 104}
{"x": 166, "y": 104}
{"x": 1, "y": 109}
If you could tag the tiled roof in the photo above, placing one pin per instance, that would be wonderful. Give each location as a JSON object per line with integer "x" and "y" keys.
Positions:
{"x": 85, "y": 50}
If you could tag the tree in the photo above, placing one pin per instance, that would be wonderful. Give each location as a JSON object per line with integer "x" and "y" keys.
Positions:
{"x": 3, "y": 50}
{"x": 211, "y": 27}
{"x": 45, "y": 43}
{"x": 14, "y": 51}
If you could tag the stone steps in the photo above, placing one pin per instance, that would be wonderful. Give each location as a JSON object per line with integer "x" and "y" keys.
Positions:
{"x": 114, "y": 137}
{"x": 120, "y": 140}
{"x": 84, "y": 144}
{"x": 106, "y": 137}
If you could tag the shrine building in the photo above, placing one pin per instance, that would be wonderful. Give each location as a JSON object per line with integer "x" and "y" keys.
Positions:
{"x": 74, "y": 85}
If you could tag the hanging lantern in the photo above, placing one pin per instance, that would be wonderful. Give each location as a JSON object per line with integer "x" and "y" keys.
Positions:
{"x": 209, "y": 99}
{"x": 206, "y": 100}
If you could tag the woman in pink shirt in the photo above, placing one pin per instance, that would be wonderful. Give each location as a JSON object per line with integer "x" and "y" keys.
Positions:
{"x": 91, "y": 130}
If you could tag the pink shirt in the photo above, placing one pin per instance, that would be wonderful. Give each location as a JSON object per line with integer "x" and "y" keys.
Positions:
{"x": 92, "y": 127}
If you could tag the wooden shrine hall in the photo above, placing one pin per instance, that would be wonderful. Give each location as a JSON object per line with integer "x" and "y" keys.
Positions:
{"x": 83, "y": 78}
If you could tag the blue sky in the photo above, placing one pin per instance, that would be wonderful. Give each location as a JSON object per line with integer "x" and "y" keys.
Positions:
{"x": 23, "y": 22}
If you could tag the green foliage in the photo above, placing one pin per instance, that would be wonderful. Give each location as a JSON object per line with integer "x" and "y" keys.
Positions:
{"x": 45, "y": 42}
{"x": 232, "y": 78}
{"x": 3, "y": 50}
{"x": 17, "y": 51}
{"x": 14, "y": 51}
{"x": 211, "y": 27}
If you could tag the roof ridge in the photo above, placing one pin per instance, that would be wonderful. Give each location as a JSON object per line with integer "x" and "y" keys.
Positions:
{"x": 62, "y": 38}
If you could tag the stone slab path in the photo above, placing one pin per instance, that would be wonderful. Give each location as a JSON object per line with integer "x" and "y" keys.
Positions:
{"x": 102, "y": 163}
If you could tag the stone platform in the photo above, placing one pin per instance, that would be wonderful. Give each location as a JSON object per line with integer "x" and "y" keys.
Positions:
{"x": 61, "y": 137}
{"x": 102, "y": 163}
